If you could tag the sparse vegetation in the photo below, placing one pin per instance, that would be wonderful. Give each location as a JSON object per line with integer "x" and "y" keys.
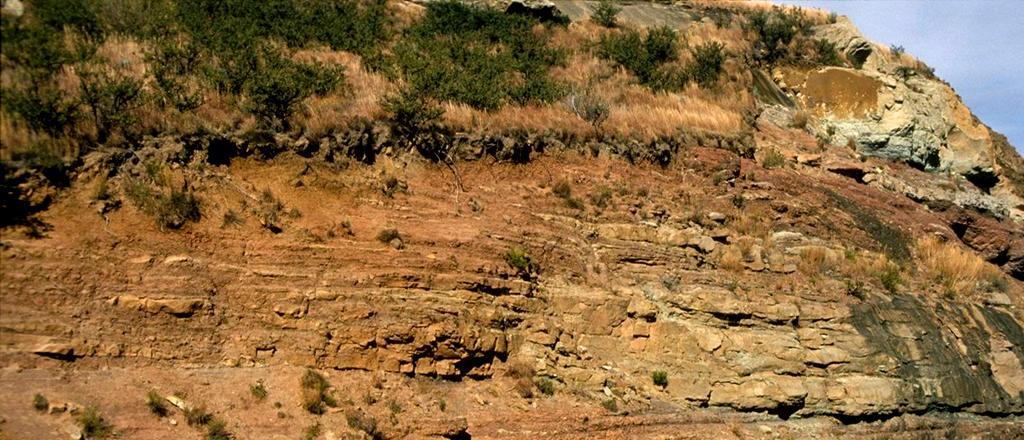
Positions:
{"x": 315, "y": 395}
{"x": 610, "y": 404}
{"x": 855, "y": 288}
{"x": 773, "y": 159}
{"x": 231, "y": 219}
{"x": 312, "y": 432}
{"x": 897, "y": 51}
{"x": 155, "y": 403}
{"x": 891, "y": 278}
{"x": 365, "y": 423}
{"x": 386, "y": 236}
{"x": 564, "y": 191}
{"x": 958, "y": 272}
{"x": 546, "y": 386}
{"x": 258, "y": 391}
{"x": 660, "y": 378}
{"x": 197, "y": 415}
{"x": 269, "y": 210}
{"x": 606, "y": 13}
{"x": 170, "y": 206}
{"x": 217, "y": 429}
{"x": 93, "y": 425}
{"x": 602, "y": 197}
{"x": 40, "y": 403}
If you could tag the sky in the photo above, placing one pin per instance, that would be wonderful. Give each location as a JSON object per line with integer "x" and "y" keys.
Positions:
{"x": 975, "y": 45}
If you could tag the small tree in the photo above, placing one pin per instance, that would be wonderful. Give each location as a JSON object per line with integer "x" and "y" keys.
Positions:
{"x": 111, "y": 98}
{"x": 605, "y": 14}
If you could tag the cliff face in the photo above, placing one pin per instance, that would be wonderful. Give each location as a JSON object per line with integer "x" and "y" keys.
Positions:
{"x": 869, "y": 285}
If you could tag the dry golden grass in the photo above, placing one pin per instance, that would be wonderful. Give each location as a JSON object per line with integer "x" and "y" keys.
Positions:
{"x": 731, "y": 259}
{"x": 360, "y": 99}
{"x": 959, "y": 272}
{"x": 554, "y": 118}
{"x": 816, "y": 260}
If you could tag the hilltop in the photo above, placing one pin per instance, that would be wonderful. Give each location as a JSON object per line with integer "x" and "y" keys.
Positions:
{"x": 496, "y": 219}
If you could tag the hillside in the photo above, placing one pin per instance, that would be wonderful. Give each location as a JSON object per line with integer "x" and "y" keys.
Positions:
{"x": 501, "y": 219}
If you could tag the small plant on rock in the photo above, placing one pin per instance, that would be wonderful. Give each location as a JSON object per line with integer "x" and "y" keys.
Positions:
{"x": 518, "y": 259}
{"x": 391, "y": 237}
{"x": 155, "y": 402}
{"x": 660, "y": 378}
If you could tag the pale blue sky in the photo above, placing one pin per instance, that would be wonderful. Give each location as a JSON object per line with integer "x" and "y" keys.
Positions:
{"x": 975, "y": 45}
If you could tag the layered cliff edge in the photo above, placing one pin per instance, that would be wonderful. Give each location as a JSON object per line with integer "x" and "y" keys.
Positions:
{"x": 845, "y": 259}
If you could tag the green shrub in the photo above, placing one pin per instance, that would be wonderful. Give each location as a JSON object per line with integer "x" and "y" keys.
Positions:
{"x": 826, "y": 53}
{"x": 518, "y": 259}
{"x": 602, "y": 197}
{"x": 258, "y": 390}
{"x": 217, "y": 429}
{"x": 269, "y": 210}
{"x": 707, "y": 63}
{"x": 155, "y": 403}
{"x": 311, "y": 432}
{"x": 773, "y": 159}
{"x": 142, "y": 19}
{"x": 73, "y": 14}
{"x": 890, "y": 278}
{"x": 897, "y": 51}
{"x": 564, "y": 192}
{"x": 905, "y": 72}
{"x": 277, "y": 85}
{"x": 40, "y": 403}
{"x": 610, "y": 404}
{"x": 111, "y": 98}
{"x": 411, "y": 113}
{"x": 365, "y": 423}
{"x": 546, "y": 386}
{"x": 386, "y": 235}
{"x": 605, "y": 13}
{"x": 172, "y": 64}
{"x": 171, "y": 208}
{"x": 646, "y": 56}
{"x": 855, "y": 288}
{"x": 775, "y": 29}
{"x": 660, "y": 378}
{"x": 315, "y": 396}
{"x": 478, "y": 56}
{"x": 93, "y": 425}
{"x": 198, "y": 416}
{"x": 43, "y": 109}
